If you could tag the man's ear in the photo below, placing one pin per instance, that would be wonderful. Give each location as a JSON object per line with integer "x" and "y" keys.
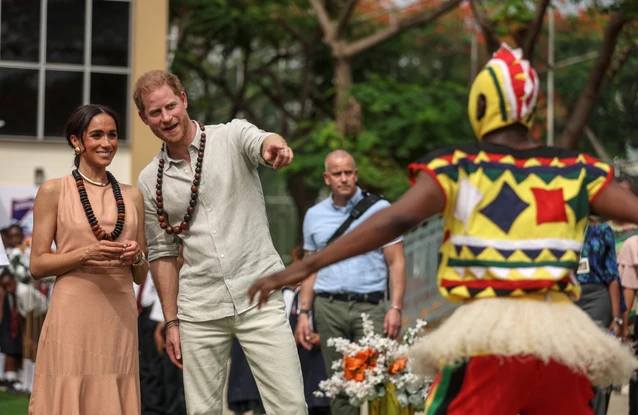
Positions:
{"x": 142, "y": 117}
{"x": 184, "y": 99}
{"x": 326, "y": 178}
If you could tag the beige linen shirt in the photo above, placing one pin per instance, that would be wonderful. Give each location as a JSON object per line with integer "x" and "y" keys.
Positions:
{"x": 228, "y": 245}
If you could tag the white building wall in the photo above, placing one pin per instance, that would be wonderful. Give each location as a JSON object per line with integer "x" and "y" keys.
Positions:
{"x": 19, "y": 160}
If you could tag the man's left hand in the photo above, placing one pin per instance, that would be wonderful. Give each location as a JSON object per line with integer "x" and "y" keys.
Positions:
{"x": 278, "y": 155}
{"x": 392, "y": 323}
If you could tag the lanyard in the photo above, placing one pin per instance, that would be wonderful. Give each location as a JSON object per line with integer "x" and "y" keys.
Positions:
{"x": 584, "y": 242}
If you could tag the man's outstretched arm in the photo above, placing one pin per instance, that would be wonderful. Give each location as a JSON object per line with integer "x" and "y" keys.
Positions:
{"x": 422, "y": 201}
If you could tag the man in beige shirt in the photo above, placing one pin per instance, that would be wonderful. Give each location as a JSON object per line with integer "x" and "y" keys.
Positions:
{"x": 203, "y": 188}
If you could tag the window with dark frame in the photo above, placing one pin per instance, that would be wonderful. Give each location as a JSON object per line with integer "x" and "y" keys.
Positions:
{"x": 56, "y": 55}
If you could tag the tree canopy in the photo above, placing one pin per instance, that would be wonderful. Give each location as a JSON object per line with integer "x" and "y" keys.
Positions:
{"x": 390, "y": 84}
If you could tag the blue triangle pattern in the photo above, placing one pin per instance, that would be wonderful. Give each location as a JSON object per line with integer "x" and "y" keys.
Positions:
{"x": 476, "y": 250}
{"x": 532, "y": 253}
{"x": 505, "y": 208}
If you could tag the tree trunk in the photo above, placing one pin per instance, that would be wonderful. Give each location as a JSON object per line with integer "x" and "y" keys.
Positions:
{"x": 305, "y": 197}
{"x": 347, "y": 109}
{"x": 587, "y": 100}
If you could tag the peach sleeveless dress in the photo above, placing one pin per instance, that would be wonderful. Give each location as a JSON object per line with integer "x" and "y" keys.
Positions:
{"x": 87, "y": 361}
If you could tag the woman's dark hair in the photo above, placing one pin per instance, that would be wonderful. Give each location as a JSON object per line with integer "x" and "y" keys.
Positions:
{"x": 6, "y": 272}
{"x": 79, "y": 121}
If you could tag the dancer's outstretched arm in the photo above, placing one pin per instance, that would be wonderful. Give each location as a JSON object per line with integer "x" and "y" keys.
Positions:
{"x": 423, "y": 200}
{"x": 616, "y": 202}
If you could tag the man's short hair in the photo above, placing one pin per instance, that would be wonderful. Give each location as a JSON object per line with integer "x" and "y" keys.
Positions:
{"x": 152, "y": 80}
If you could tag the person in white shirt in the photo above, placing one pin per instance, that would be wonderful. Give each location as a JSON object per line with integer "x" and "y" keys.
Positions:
{"x": 16, "y": 300}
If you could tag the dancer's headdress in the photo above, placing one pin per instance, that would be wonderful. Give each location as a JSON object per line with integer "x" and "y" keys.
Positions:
{"x": 510, "y": 86}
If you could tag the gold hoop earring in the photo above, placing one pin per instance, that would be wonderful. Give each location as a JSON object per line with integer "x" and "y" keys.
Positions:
{"x": 77, "y": 151}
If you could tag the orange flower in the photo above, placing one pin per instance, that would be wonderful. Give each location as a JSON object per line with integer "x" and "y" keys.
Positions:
{"x": 355, "y": 367}
{"x": 397, "y": 366}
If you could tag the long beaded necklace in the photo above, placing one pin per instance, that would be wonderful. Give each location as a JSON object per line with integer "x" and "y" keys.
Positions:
{"x": 162, "y": 216}
{"x": 100, "y": 233}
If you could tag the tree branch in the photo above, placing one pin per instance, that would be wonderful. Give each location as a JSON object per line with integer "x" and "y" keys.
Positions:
{"x": 324, "y": 21}
{"x": 277, "y": 99}
{"x": 272, "y": 60}
{"x": 621, "y": 59}
{"x": 534, "y": 29}
{"x": 598, "y": 147}
{"x": 344, "y": 17}
{"x": 306, "y": 73}
{"x": 420, "y": 18}
{"x": 587, "y": 100}
{"x": 286, "y": 24}
{"x": 487, "y": 26}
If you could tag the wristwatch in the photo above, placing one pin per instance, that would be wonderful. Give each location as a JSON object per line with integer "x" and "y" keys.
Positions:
{"x": 304, "y": 311}
{"x": 618, "y": 321}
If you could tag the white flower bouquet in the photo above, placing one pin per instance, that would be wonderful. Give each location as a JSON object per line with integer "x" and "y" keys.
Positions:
{"x": 19, "y": 258}
{"x": 376, "y": 366}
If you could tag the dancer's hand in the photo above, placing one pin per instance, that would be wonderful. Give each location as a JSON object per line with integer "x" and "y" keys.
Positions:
{"x": 278, "y": 155}
{"x": 392, "y": 323}
{"x": 158, "y": 336}
{"x": 302, "y": 332}
{"x": 174, "y": 347}
{"x": 295, "y": 273}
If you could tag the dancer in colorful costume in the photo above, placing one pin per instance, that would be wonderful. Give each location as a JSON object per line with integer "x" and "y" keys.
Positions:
{"x": 515, "y": 214}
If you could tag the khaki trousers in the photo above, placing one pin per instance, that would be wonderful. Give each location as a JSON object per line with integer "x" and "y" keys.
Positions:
{"x": 267, "y": 340}
{"x": 343, "y": 319}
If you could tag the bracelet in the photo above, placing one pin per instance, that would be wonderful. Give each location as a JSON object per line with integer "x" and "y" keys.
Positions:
{"x": 172, "y": 323}
{"x": 304, "y": 311}
{"x": 140, "y": 261}
{"x": 396, "y": 307}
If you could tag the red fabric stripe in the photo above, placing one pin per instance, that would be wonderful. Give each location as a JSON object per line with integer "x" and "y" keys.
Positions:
{"x": 505, "y": 285}
{"x": 414, "y": 167}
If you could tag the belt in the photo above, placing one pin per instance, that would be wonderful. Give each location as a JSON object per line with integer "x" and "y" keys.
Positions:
{"x": 372, "y": 298}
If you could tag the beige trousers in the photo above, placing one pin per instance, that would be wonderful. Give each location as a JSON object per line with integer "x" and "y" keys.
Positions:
{"x": 266, "y": 338}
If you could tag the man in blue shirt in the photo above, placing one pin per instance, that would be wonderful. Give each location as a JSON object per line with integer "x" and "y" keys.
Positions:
{"x": 348, "y": 288}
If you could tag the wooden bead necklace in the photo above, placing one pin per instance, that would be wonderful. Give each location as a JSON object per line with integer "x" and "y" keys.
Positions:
{"x": 100, "y": 233}
{"x": 162, "y": 216}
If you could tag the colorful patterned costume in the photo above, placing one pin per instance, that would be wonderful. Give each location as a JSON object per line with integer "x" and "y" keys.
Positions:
{"x": 514, "y": 225}
{"x": 495, "y": 196}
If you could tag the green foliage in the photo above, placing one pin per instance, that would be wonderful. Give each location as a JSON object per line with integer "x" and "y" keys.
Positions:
{"x": 238, "y": 59}
{"x": 402, "y": 122}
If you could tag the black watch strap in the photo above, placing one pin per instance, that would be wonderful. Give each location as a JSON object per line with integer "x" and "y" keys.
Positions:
{"x": 304, "y": 311}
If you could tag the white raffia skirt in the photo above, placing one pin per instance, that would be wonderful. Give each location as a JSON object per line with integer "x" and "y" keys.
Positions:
{"x": 548, "y": 327}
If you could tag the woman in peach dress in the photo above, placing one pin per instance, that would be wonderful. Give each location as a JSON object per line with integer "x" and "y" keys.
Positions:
{"x": 87, "y": 361}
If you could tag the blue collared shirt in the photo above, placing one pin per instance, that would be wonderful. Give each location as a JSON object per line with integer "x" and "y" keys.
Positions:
{"x": 361, "y": 274}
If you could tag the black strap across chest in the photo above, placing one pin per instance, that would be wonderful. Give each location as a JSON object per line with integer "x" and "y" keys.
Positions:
{"x": 359, "y": 209}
